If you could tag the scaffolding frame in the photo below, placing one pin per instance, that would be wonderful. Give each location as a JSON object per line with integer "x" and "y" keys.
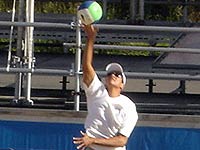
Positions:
{"x": 76, "y": 71}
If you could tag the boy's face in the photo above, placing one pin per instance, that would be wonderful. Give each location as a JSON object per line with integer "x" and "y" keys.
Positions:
{"x": 114, "y": 79}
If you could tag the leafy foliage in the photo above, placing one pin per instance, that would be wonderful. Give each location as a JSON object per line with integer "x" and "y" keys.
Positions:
{"x": 56, "y": 7}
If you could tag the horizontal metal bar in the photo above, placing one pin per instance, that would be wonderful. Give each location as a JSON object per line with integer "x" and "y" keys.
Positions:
{"x": 172, "y": 3}
{"x": 105, "y": 26}
{"x": 148, "y": 28}
{"x": 163, "y": 76}
{"x": 37, "y": 71}
{"x": 136, "y": 75}
{"x": 140, "y": 48}
{"x": 168, "y": 76}
{"x": 35, "y": 24}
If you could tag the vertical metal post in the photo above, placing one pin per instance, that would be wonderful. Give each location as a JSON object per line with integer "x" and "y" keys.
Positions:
{"x": 20, "y": 34}
{"x": 185, "y": 12}
{"x": 29, "y": 48}
{"x": 141, "y": 9}
{"x": 64, "y": 83}
{"x": 77, "y": 66}
{"x": 133, "y": 10}
{"x": 182, "y": 86}
{"x": 11, "y": 36}
{"x": 150, "y": 85}
{"x": 104, "y": 9}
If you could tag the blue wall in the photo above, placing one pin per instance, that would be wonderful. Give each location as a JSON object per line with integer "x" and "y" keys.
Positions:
{"x": 157, "y": 138}
{"x": 58, "y": 136}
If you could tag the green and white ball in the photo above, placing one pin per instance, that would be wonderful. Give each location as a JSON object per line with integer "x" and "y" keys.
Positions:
{"x": 89, "y": 12}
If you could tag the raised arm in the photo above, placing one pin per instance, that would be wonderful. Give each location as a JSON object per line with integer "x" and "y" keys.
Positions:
{"x": 88, "y": 70}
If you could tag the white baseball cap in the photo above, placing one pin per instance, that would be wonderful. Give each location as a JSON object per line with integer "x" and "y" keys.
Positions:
{"x": 116, "y": 67}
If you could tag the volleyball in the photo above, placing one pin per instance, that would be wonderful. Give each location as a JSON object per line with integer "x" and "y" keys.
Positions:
{"x": 89, "y": 12}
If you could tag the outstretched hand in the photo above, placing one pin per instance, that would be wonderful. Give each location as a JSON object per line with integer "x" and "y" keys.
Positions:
{"x": 84, "y": 141}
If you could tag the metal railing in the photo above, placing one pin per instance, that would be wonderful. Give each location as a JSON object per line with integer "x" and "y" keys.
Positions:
{"x": 77, "y": 71}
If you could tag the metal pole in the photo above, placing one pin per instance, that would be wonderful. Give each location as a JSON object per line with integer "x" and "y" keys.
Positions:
{"x": 35, "y": 24}
{"x": 77, "y": 66}
{"x": 11, "y": 36}
{"x": 148, "y": 28}
{"x": 185, "y": 12}
{"x": 20, "y": 33}
{"x": 135, "y": 75}
{"x": 161, "y": 76}
{"x": 141, "y": 9}
{"x": 133, "y": 10}
{"x": 150, "y": 85}
{"x": 105, "y": 26}
{"x": 141, "y": 48}
{"x": 54, "y": 72}
{"x": 104, "y": 9}
{"x": 29, "y": 49}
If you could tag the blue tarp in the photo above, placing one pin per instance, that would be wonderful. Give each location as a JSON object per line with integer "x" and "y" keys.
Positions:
{"x": 18, "y": 135}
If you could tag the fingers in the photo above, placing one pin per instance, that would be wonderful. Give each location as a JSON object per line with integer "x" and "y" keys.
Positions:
{"x": 82, "y": 133}
{"x": 81, "y": 146}
{"x": 77, "y": 140}
{"x": 82, "y": 142}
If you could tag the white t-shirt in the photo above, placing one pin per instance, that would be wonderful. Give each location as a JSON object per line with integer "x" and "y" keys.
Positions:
{"x": 108, "y": 116}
